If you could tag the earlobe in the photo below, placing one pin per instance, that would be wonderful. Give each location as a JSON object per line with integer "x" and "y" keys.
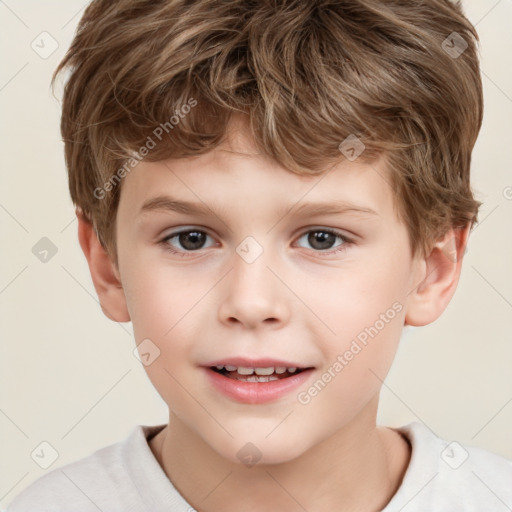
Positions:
{"x": 440, "y": 275}
{"x": 105, "y": 275}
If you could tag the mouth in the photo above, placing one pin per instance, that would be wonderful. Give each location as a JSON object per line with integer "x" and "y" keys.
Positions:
{"x": 257, "y": 380}
{"x": 257, "y": 374}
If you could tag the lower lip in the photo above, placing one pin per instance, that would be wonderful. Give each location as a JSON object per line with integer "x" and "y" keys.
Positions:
{"x": 256, "y": 392}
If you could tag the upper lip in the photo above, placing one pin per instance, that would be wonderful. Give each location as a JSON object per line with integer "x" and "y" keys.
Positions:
{"x": 245, "y": 362}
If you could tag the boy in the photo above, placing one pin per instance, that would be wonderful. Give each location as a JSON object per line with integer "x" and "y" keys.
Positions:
{"x": 320, "y": 152}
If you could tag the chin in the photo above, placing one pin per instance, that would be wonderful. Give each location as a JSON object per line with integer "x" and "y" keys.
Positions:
{"x": 255, "y": 449}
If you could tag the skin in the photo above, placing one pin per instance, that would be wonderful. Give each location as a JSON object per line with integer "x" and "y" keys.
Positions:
{"x": 291, "y": 303}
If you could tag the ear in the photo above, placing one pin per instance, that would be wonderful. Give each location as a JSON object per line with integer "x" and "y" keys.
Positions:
{"x": 440, "y": 273}
{"x": 104, "y": 273}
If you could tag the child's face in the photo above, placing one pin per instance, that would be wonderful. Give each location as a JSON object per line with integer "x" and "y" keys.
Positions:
{"x": 294, "y": 302}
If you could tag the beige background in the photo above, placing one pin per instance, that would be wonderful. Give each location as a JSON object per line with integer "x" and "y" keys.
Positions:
{"x": 68, "y": 374}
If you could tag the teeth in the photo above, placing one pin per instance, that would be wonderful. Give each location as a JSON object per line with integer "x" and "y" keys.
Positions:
{"x": 264, "y": 371}
{"x": 247, "y": 371}
{"x": 256, "y": 378}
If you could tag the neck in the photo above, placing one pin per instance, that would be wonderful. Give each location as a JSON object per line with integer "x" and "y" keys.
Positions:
{"x": 335, "y": 474}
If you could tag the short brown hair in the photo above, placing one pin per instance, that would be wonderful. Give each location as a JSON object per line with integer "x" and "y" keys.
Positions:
{"x": 401, "y": 75}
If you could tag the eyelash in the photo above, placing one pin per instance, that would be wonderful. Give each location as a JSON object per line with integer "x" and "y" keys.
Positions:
{"x": 338, "y": 249}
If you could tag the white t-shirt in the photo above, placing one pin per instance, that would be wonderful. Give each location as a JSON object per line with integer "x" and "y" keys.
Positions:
{"x": 126, "y": 477}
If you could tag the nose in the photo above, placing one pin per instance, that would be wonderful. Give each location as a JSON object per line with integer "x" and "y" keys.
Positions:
{"x": 252, "y": 295}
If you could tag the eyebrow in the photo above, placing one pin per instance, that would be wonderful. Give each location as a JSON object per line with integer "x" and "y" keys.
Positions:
{"x": 169, "y": 204}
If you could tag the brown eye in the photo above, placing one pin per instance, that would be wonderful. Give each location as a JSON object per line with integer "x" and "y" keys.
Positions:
{"x": 322, "y": 240}
{"x": 192, "y": 240}
{"x": 185, "y": 241}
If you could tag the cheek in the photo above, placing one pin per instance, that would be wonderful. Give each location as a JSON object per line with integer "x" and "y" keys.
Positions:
{"x": 161, "y": 309}
{"x": 363, "y": 315}
{"x": 356, "y": 364}
{"x": 157, "y": 299}
{"x": 350, "y": 300}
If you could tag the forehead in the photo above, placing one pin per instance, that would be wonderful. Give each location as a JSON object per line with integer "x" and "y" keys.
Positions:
{"x": 236, "y": 174}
